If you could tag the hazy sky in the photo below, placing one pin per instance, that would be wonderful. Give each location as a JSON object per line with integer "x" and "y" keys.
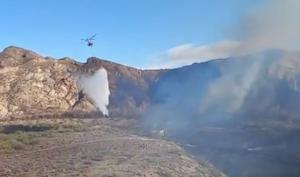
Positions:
{"x": 131, "y": 32}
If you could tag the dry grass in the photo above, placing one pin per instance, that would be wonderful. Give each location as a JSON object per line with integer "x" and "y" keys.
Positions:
{"x": 17, "y": 135}
{"x": 15, "y": 141}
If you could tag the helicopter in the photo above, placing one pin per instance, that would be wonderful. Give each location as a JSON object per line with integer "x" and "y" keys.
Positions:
{"x": 89, "y": 41}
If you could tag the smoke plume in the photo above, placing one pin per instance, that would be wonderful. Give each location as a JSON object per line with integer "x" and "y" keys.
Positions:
{"x": 230, "y": 90}
{"x": 97, "y": 88}
{"x": 226, "y": 88}
{"x": 273, "y": 25}
{"x": 221, "y": 106}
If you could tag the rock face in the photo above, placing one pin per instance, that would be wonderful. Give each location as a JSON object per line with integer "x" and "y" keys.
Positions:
{"x": 32, "y": 85}
{"x": 129, "y": 87}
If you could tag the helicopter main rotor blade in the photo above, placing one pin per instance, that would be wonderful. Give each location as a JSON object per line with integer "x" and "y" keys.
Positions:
{"x": 93, "y": 37}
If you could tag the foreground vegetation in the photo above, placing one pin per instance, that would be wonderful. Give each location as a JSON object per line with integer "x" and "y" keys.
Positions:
{"x": 18, "y": 135}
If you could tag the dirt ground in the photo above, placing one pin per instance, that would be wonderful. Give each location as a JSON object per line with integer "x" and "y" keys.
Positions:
{"x": 105, "y": 148}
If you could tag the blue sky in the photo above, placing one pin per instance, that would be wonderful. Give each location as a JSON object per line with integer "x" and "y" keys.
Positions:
{"x": 130, "y": 32}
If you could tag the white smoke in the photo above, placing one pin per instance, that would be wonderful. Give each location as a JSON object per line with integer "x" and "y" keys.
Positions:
{"x": 273, "y": 25}
{"x": 97, "y": 88}
{"x": 203, "y": 53}
{"x": 229, "y": 92}
{"x": 186, "y": 54}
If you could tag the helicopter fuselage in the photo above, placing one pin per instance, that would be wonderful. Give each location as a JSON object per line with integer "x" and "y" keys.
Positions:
{"x": 90, "y": 44}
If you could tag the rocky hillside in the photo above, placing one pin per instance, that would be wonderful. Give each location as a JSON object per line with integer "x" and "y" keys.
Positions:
{"x": 225, "y": 109}
{"x": 129, "y": 86}
{"x": 258, "y": 88}
{"x": 32, "y": 85}
{"x": 244, "y": 109}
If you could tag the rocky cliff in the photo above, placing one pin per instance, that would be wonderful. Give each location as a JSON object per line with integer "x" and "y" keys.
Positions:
{"x": 32, "y": 85}
{"x": 35, "y": 86}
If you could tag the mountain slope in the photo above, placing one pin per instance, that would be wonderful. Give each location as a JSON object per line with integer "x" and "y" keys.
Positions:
{"x": 244, "y": 109}
{"x": 36, "y": 85}
{"x": 235, "y": 108}
{"x": 32, "y": 85}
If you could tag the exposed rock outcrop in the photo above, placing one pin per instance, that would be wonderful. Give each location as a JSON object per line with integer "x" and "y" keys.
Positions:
{"x": 32, "y": 85}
